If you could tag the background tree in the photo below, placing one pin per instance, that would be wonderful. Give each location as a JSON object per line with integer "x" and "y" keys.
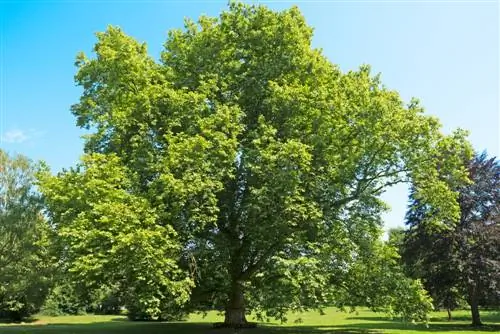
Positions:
{"x": 25, "y": 263}
{"x": 461, "y": 259}
{"x": 70, "y": 297}
{"x": 378, "y": 280}
{"x": 260, "y": 154}
{"x": 395, "y": 238}
{"x": 430, "y": 254}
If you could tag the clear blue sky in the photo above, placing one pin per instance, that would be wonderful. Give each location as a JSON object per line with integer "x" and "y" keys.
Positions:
{"x": 445, "y": 53}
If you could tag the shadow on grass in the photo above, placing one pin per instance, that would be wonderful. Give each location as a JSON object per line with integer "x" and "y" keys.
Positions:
{"x": 491, "y": 322}
{"x": 170, "y": 328}
{"x": 24, "y": 321}
{"x": 116, "y": 326}
{"x": 127, "y": 327}
{"x": 398, "y": 327}
{"x": 487, "y": 318}
{"x": 123, "y": 319}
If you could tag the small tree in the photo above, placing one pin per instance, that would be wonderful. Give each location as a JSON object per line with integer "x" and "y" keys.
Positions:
{"x": 25, "y": 264}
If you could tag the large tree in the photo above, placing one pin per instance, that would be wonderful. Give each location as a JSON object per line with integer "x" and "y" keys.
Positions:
{"x": 265, "y": 159}
{"x": 25, "y": 263}
{"x": 462, "y": 258}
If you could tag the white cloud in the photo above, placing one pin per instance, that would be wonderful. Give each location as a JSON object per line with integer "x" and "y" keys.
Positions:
{"x": 15, "y": 136}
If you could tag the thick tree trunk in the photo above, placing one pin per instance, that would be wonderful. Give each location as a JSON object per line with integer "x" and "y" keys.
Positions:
{"x": 476, "y": 319}
{"x": 474, "y": 307}
{"x": 235, "y": 308}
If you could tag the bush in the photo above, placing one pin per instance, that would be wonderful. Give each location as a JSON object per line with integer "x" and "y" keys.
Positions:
{"x": 63, "y": 300}
{"x": 22, "y": 298}
{"x": 69, "y": 299}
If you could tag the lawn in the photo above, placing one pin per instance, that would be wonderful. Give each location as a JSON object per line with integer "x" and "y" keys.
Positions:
{"x": 332, "y": 322}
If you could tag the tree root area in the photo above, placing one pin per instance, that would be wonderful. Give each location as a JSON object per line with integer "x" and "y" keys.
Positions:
{"x": 243, "y": 325}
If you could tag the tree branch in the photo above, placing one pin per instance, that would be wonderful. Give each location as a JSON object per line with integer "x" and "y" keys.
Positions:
{"x": 246, "y": 274}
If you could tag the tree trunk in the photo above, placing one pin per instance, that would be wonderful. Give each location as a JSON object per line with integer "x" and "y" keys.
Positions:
{"x": 449, "y": 313}
{"x": 476, "y": 319}
{"x": 235, "y": 308}
{"x": 474, "y": 307}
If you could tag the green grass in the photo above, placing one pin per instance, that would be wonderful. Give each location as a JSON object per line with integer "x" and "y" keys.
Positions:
{"x": 332, "y": 322}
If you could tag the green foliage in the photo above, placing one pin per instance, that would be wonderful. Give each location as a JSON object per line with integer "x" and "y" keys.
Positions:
{"x": 63, "y": 300}
{"x": 108, "y": 237}
{"x": 396, "y": 238}
{"x": 460, "y": 261}
{"x": 246, "y": 157}
{"x": 377, "y": 280}
{"x": 25, "y": 264}
{"x": 67, "y": 298}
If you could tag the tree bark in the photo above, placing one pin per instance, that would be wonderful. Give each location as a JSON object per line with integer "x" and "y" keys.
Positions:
{"x": 449, "y": 313}
{"x": 474, "y": 307}
{"x": 476, "y": 319}
{"x": 235, "y": 308}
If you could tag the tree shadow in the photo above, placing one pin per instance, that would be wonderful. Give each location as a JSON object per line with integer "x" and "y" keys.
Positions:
{"x": 123, "y": 319}
{"x": 123, "y": 326}
{"x": 400, "y": 327}
{"x": 487, "y": 317}
{"x": 491, "y": 322}
{"x": 118, "y": 325}
{"x": 491, "y": 318}
{"x": 20, "y": 322}
{"x": 376, "y": 327}
{"x": 312, "y": 330}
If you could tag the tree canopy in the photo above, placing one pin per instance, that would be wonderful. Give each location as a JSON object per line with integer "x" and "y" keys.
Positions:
{"x": 244, "y": 156}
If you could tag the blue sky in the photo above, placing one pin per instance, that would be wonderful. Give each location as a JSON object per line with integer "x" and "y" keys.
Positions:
{"x": 446, "y": 53}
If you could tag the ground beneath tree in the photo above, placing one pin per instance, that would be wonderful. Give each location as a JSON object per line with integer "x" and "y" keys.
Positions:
{"x": 332, "y": 322}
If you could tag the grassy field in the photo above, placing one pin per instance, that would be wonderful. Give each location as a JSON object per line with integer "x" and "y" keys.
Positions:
{"x": 332, "y": 322}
